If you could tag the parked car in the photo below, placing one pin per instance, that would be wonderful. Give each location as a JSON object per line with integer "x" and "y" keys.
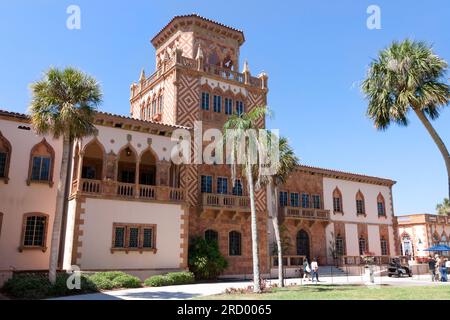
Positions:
{"x": 397, "y": 269}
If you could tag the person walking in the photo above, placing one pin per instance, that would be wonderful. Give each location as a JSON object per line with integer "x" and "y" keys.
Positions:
{"x": 438, "y": 267}
{"x": 306, "y": 270}
{"x": 444, "y": 270}
{"x": 432, "y": 268}
{"x": 315, "y": 270}
{"x": 447, "y": 265}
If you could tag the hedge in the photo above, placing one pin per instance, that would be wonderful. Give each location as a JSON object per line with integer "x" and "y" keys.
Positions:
{"x": 173, "y": 278}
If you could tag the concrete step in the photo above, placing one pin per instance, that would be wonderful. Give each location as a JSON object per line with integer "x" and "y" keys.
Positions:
{"x": 328, "y": 271}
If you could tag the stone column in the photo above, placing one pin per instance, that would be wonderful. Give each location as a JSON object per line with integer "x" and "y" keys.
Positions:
{"x": 136, "y": 180}
{"x": 80, "y": 170}
{"x": 162, "y": 172}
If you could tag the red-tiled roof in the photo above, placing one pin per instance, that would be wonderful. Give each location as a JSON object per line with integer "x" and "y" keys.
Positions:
{"x": 343, "y": 174}
{"x": 25, "y": 116}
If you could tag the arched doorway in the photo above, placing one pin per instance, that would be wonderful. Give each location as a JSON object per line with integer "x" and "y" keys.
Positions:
{"x": 303, "y": 244}
{"x": 92, "y": 167}
{"x": 126, "y": 169}
{"x": 147, "y": 169}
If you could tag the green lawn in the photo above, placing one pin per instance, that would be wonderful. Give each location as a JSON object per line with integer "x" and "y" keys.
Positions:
{"x": 345, "y": 292}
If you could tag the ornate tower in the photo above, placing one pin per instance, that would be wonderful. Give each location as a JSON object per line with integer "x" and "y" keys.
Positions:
{"x": 197, "y": 78}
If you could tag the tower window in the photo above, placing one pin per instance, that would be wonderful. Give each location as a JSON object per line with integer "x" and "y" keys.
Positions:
{"x": 239, "y": 108}
{"x": 228, "y": 106}
{"x": 205, "y": 100}
{"x": 217, "y": 104}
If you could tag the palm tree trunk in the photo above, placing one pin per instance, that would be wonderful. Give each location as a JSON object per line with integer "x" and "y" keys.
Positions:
{"x": 57, "y": 220}
{"x": 439, "y": 143}
{"x": 276, "y": 228}
{"x": 254, "y": 228}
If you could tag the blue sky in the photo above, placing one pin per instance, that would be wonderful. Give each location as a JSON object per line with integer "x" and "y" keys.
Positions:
{"x": 315, "y": 52}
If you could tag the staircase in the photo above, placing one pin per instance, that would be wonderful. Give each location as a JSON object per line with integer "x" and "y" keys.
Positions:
{"x": 328, "y": 271}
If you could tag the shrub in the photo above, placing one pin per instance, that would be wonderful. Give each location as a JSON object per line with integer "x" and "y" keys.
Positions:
{"x": 60, "y": 286}
{"x": 28, "y": 286}
{"x": 173, "y": 278}
{"x": 114, "y": 279}
{"x": 126, "y": 281}
{"x": 205, "y": 259}
{"x": 181, "y": 277}
{"x": 37, "y": 286}
{"x": 158, "y": 281}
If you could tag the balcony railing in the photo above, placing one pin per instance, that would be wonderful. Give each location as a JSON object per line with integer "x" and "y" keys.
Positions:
{"x": 214, "y": 200}
{"x": 128, "y": 190}
{"x": 302, "y": 213}
{"x": 358, "y": 260}
{"x": 288, "y": 261}
{"x": 125, "y": 189}
{"x": 209, "y": 69}
{"x": 91, "y": 186}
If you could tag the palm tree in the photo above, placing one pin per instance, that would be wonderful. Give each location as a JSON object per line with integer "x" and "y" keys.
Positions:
{"x": 443, "y": 208}
{"x": 235, "y": 129}
{"x": 408, "y": 76}
{"x": 63, "y": 104}
{"x": 285, "y": 165}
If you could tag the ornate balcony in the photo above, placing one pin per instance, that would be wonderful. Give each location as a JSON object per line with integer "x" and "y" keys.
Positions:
{"x": 218, "y": 205}
{"x": 120, "y": 190}
{"x": 309, "y": 214}
{"x": 225, "y": 201}
{"x": 221, "y": 73}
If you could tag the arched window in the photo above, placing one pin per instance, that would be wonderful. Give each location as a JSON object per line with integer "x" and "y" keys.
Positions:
{"x": 161, "y": 104}
{"x": 93, "y": 160}
{"x": 303, "y": 244}
{"x": 34, "y": 231}
{"x": 211, "y": 235}
{"x": 5, "y": 156}
{"x": 337, "y": 201}
{"x": 384, "y": 247}
{"x": 237, "y": 188}
{"x": 340, "y": 248}
{"x": 234, "y": 245}
{"x": 406, "y": 244}
{"x": 360, "y": 205}
{"x": 213, "y": 58}
{"x": 436, "y": 238}
{"x": 362, "y": 245}
{"x": 381, "y": 205}
{"x": 42, "y": 160}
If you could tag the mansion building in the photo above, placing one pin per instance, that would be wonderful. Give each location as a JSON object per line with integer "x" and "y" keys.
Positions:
{"x": 129, "y": 207}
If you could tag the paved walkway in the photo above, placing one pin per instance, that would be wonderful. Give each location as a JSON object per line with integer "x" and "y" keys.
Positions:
{"x": 206, "y": 289}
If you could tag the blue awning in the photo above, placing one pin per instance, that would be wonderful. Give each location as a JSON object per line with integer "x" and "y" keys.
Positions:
{"x": 439, "y": 247}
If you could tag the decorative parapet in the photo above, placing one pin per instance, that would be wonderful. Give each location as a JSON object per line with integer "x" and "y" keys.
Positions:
{"x": 180, "y": 61}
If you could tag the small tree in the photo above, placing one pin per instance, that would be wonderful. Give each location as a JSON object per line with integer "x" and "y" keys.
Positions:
{"x": 205, "y": 259}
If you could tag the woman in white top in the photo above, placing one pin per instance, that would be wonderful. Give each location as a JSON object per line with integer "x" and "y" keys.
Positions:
{"x": 315, "y": 270}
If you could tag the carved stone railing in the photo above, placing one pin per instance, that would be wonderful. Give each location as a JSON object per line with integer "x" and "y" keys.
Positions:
{"x": 147, "y": 192}
{"x": 225, "y": 201}
{"x": 125, "y": 189}
{"x": 302, "y": 213}
{"x": 193, "y": 64}
{"x": 379, "y": 260}
{"x": 288, "y": 261}
{"x": 128, "y": 190}
{"x": 91, "y": 186}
